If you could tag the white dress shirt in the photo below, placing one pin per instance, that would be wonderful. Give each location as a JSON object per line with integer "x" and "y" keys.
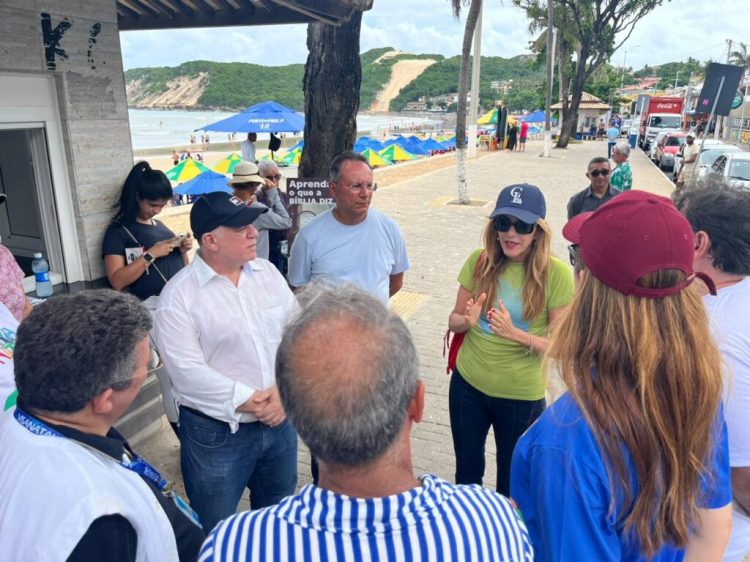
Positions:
{"x": 218, "y": 341}
{"x": 248, "y": 150}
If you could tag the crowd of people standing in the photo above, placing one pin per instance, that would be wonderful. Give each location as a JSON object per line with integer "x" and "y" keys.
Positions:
{"x": 644, "y": 458}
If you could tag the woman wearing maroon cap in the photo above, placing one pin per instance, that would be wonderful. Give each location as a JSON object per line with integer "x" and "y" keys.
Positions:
{"x": 510, "y": 292}
{"x": 632, "y": 463}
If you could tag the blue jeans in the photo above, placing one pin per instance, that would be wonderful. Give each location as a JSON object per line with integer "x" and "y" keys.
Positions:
{"x": 217, "y": 465}
{"x": 610, "y": 148}
{"x": 472, "y": 413}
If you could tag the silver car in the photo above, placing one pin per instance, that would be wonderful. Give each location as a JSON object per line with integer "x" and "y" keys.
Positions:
{"x": 712, "y": 149}
{"x": 735, "y": 167}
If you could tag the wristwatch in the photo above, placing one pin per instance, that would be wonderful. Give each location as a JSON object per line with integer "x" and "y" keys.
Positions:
{"x": 148, "y": 258}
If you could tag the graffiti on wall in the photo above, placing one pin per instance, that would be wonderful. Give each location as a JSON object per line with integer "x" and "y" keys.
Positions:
{"x": 53, "y": 35}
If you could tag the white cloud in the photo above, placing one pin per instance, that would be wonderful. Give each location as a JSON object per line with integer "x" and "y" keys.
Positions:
{"x": 673, "y": 31}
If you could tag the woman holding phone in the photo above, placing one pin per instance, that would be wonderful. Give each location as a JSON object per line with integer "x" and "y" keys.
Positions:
{"x": 510, "y": 294}
{"x": 140, "y": 253}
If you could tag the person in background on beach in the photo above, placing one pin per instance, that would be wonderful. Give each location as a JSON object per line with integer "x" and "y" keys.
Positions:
{"x": 246, "y": 182}
{"x": 631, "y": 464}
{"x": 269, "y": 171}
{"x": 718, "y": 216}
{"x": 511, "y": 292}
{"x": 248, "y": 147}
{"x": 193, "y": 144}
{"x": 217, "y": 326}
{"x": 140, "y": 253}
{"x": 351, "y": 242}
{"x": 208, "y": 141}
{"x": 512, "y": 135}
{"x": 355, "y": 407}
{"x": 597, "y": 193}
{"x": 73, "y": 489}
{"x": 621, "y": 178}
{"x": 613, "y": 133}
{"x": 175, "y": 158}
{"x": 523, "y": 136}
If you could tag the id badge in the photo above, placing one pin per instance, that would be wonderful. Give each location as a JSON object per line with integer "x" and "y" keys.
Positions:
{"x": 183, "y": 506}
{"x": 132, "y": 254}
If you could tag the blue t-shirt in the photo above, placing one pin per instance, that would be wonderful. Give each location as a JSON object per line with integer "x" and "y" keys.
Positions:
{"x": 364, "y": 254}
{"x": 560, "y": 483}
{"x": 612, "y": 134}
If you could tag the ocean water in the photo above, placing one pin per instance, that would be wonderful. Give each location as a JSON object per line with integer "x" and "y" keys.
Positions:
{"x": 170, "y": 128}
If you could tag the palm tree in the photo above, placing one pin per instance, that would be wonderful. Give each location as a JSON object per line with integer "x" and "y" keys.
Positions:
{"x": 463, "y": 86}
{"x": 741, "y": 58}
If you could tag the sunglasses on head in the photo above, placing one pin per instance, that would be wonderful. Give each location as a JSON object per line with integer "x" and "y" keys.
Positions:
{"x": 504, "y": 222}
{"x": 597, "y": 173}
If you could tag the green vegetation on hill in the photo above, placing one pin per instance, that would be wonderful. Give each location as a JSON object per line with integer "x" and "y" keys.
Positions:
{"x": 667, "y": 72}
{"x": 442, "y": 78}
{"x": 239, "y": 85}
{"x": 233, "y": 85}
{"x": 375, "y": 75}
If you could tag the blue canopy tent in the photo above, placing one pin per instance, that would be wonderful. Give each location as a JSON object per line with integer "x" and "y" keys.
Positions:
{"x": 264, "y": 117}
{"x": 389, "y": 142}
{"x": 537, "y": 116}
{"x": 402, "y": 142}
{"x": 376, "y": 145}
{"x": 416, "y": 149}
{"x": 207, "y": 182}
{"x": 432, "y": 144}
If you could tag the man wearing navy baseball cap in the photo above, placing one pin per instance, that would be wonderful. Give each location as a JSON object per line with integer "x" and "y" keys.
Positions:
{"x": 217, "y": 326}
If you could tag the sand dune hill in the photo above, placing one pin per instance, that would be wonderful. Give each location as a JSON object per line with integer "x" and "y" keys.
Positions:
{"x": 402, "y": 73}
{"x": 182, "y": 92}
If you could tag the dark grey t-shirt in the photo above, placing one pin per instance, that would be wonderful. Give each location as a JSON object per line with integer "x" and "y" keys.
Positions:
{"x": 118, "y": 242}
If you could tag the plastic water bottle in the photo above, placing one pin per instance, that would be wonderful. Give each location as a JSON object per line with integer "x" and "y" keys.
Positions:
{"x": 40, "y": 267}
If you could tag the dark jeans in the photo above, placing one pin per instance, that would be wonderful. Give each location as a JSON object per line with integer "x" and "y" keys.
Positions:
{"x": 218, "y": 465}
{"x": 610, "y": 148}
{"x": 472, "y": 413}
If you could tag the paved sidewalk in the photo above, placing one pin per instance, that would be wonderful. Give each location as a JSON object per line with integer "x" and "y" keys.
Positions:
{"x": 439, "y": 237}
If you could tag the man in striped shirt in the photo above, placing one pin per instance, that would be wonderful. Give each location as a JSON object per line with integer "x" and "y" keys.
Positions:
{"x": 347, "y": 371}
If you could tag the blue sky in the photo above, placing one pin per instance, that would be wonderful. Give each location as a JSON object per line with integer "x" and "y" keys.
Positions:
{"x": 671, "y": 32}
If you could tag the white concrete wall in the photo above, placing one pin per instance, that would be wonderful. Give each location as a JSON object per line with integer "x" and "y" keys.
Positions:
{"x": 89, "y": 81}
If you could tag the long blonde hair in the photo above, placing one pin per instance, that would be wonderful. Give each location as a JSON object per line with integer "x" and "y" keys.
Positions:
{"x": 646, "y": 374}
{"x": 536, "y": 266}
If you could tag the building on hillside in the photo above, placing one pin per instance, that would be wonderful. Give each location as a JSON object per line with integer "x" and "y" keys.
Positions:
{"x": 65, "y": 144}
{"x": 590, "y": 112}
{"x": 419, "y": 105}
{"x": 501, "y": 86}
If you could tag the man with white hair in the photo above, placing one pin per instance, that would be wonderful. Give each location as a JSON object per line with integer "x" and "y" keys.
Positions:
{"x": 621, "y": 178}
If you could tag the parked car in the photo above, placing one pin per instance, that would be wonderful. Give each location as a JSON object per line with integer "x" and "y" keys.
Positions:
{"x": 734, "y": 167}
{"x": 627, "y": 124}
{"x": 712, "y": 149}
{"x": 654, "y": 145}
{"x": 667, "y": 148}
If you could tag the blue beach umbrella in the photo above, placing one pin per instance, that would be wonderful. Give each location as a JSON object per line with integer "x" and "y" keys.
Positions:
{"x": 535, "y": 117}
{"x": 207, "y": 182}
{"x": 264, "y": 117}
{"x": 416, "y": 148}
{"x": 432, "y": 144}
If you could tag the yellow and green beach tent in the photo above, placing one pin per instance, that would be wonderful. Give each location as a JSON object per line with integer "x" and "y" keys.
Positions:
{"x": 185, "y": 170}
{"x": 292, "y": 158}
{"x": 226, "y": 165}
{"x": 395, "y": 153}
{"x": 374, "y": 159}
{"x": 490, "y": 118}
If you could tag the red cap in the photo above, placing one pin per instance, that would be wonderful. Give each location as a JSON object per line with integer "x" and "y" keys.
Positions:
{"x": 632, "y": 235}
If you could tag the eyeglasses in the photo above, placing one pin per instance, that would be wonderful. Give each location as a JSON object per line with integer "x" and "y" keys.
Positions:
{"x": 573, "y": 254}
{"x": 360, "y": 186}
{"x": 277, "y": 177}
{"x": 597, "y": 173}
{"x": 503, "y": 224}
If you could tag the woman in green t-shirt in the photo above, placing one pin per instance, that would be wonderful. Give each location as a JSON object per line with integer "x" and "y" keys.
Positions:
{"x": 510, "y": 292}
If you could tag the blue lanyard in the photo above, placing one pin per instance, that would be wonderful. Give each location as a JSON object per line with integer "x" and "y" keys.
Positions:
{"x": 137, "y": 465}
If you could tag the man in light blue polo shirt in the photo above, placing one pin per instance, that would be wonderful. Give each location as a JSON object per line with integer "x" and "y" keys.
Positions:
{"x": 351, "y": 242}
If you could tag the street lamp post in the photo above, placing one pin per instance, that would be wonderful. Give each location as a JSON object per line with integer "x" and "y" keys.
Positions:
{"x": 676, "y": 79}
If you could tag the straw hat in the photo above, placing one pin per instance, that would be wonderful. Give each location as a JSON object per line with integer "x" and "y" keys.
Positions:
{"x": 245, "y": 172}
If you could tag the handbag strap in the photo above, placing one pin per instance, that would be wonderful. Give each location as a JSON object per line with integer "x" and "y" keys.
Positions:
{"x": 153, "y": 263}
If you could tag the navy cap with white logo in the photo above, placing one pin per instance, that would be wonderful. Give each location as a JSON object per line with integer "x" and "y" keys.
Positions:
{"x": 217, "y": 209}
{"x": 523, "y": 201}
